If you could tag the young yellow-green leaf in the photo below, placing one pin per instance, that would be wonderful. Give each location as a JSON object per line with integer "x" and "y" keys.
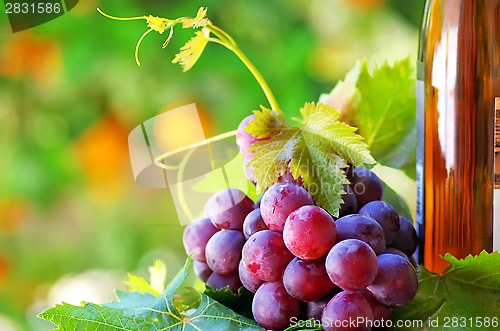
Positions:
{"x": 191, "y": 51}
{"x": 144, "y": 312}
{"x": 157, "y": 278}
{"x": 199, "y": 21}
{"x": 317, "y": 151}
{"x": 468, "y": 293}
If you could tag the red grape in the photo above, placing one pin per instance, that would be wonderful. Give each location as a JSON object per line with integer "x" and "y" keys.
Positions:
{"x": 201, "y": 270}
{"x": 228, "y": 208}
{"x": 279, "y": 201}
{"x": 347, "y": 311}
{"x": 248, "y": 279}
{"x": 307, "y": 280}
{"x": 195, "y": 237}
{"x": 265, "y": 255}
{"x": 273, "y": 307}
{"x": 366, "y": 186}
{"x": 406, "y": 238}
{"x": 253, "y": 223}
{"x": 396, "y": 282}
{"x": 223, "y": 252}
{"x": 218, "y": 281}
{"x": 309, "y": 232}
{"x": 351, "y": 264}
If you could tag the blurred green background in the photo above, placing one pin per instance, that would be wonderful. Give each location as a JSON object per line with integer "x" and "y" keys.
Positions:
{"x": 72, "y": 220}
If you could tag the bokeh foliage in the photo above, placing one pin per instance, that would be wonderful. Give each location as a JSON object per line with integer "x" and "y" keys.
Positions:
{"x": 70, "y": 92}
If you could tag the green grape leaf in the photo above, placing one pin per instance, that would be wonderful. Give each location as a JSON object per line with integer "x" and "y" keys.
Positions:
{"x": 468, "y": 292}
{"x": 382, "y": 105}
{"x": 140, "y": 312}
{"x": 317, "y": 151}
{"x": 240, "y": 302}
{"x": 192, "y": 50}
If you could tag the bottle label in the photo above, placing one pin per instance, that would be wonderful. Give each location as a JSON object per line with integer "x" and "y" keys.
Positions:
{"x": 496, "y": 180}
{"x": 420, "y": 143}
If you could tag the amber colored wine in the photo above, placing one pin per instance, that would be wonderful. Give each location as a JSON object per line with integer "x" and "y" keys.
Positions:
{"x": 458, "y": 80}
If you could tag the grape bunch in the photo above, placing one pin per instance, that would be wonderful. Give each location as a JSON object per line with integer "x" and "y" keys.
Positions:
{"x": 301, "y": 263}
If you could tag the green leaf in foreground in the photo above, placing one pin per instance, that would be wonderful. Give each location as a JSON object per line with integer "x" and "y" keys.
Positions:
{"x": 468, "y": 290}
{"x": 317, "y": 151}
{"x": 382, "y": 105}
{"x": 143, "y": 312}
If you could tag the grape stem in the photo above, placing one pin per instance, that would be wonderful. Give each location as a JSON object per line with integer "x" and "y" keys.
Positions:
{"x": 159, "y": 25}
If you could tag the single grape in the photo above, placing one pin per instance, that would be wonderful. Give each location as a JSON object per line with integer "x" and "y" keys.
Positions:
{"x": 385, "y": 215}
{"x": 406, "y": 238}
{"x": 273, "y": 307}
{"x": 350, "y": 205}
{"x": 195, "y": 237}
{"x": 309, "y": 232}
{"x": 223, "y": 252}
{"x": 218, "y": 281}
{"x": 279, "y": 201}
{"x": 347, "y": 311}
{"x": 307, "y": 280}
{"x": 364, "y": 228}
{"x": 396, "y": 282}
{"x": 351, "y": 264}
{"x": 366, "y": 186}
{"x": 201, "y": 270}
{"x": 228, "y": 208}
{"x": 253, "y": 223}
{"x": 380, "y": 312}
{"x": 248, "y": 279}
{"x": 265, "y": 255}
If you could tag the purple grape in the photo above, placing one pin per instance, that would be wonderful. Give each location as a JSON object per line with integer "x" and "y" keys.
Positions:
{"x": 396, "y": 282}
{"x": 406, "y": 238}
{"x": 309, "y": 232}
{"x": 350, "y": 205}
{"x": 351, "y": 264}
{"x": 253, "y": 223}
{"x": 363, "y": 228}
{"x": 347, "y": 311}
{"x": 195, "y": 237}
{"x": 273, "y": 307}
{"x": 248, "y": 279}
{"x": 279, "y": 201}
{"x": 390, "y": 250}
{"x": 228, "y": 208}
{"x": 307, "y": 280}
{"x": 201, "y": 270}
{"x": 385, "y": 215}
{"x": 380, "y": 312}
{"x": 366, "y": 186}
{"x": 223, "y": 252}
{"x": 218, "y": 281}
{"x": 265, "y": 255}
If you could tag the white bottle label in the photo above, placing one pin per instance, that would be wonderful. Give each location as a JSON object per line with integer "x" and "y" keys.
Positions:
{"x": 496, "y": 181}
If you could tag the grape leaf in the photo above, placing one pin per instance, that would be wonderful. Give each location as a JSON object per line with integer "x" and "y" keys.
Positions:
{"x": 140, "y": 312}
{"x": 241, "y": 302}
{"x": 468, "y": 290}
{"x": 382, "y": 105}
{"x": 191, "y": 51}
{"x": 317, "y": 151}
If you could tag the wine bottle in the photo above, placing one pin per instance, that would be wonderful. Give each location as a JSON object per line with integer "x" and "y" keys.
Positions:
{"x": 458, "y": 125}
